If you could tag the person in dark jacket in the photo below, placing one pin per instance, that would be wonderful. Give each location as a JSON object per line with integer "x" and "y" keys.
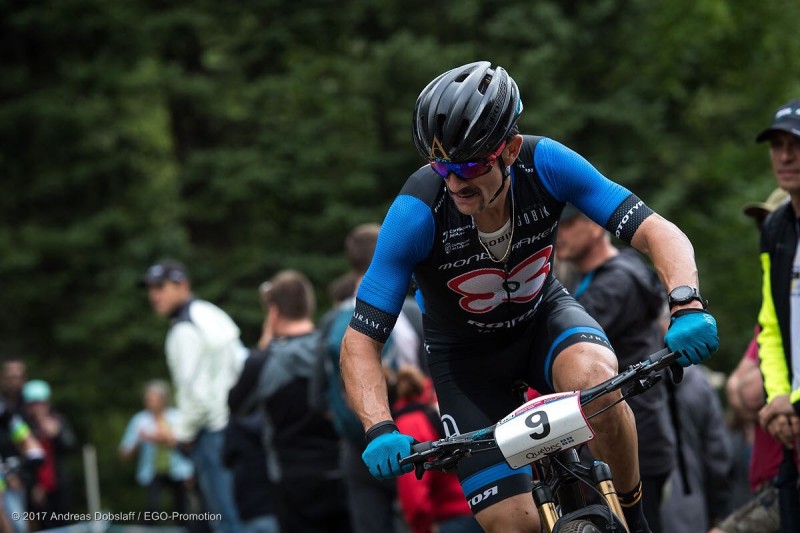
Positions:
{"x": 707, "y": 449}
{"x": 301, "y": 444}
{"x": 627, "y": 300}
{"x": 243, "y": 453}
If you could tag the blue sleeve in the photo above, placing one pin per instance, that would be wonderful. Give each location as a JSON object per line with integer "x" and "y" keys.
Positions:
{"x": 405, "y": 239}
{"x": 569, "y": 177}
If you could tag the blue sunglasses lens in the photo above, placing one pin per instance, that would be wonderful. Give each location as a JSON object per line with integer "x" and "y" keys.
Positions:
{"x": 466, "y": 171}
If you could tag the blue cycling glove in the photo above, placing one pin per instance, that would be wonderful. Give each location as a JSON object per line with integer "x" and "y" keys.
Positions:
{"x": 385, "y": 447}
{"x": 692, "y": 333}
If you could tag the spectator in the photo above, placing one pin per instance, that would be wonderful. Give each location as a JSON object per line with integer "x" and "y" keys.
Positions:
{"x": 11, "y": 383}
{"x": 20, "y": 466}
{"x": 627, "y": 300}
{"x": 342, "y": 288}
{"x": 706, "y": 448}
{"x": 243, "y": 453}
{"x": 204, "y": 355}
{"x": 372, "y": 502}
{"x": 160, "y": 465}
{"x": 51, "y": 489}
{"x": 744, "y": 390}
{"x": 778, "y": 350}
{"x": 301, "y": 444}
{"x": 435, "y": 502}
{"x": 14, "y": 376}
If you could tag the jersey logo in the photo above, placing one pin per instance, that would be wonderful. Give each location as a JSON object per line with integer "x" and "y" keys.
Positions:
{"x": 484, "y": 289}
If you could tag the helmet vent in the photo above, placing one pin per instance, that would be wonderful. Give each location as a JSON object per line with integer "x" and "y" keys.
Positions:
{"x": 462, "y": 129}
{"x": 439, "y": 126}
{"x": 461, "y": 77}
{"x": 484, "y": 84}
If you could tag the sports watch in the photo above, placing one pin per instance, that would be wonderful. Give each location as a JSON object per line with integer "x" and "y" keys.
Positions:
{"x": 683, "y": 294}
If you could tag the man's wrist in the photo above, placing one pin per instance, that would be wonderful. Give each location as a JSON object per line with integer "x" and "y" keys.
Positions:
{"x": 687, "y": 311}
{"x": 694, "y": 304}
{"x": 381, "y": 428}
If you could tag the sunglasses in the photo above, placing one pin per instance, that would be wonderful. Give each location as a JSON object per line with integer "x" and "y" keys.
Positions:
{"x": 468, "y": 170}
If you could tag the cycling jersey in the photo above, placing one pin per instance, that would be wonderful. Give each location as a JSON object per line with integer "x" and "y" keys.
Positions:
{"x": 475, "y": 383}
{"x": 462, "y": 291}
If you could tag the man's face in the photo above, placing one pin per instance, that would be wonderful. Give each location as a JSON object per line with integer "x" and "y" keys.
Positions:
{"x": 784, "y": 150}
{"x": 154, "y": 400}
{"x": 575, "y": 238}
{"x": 167, "y": 296}
{"x": 13, "y": 377}
{"x": 472, "y": 196}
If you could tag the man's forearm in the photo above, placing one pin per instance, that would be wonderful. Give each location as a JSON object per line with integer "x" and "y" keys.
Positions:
{"x": 671, "y": 252}
{"x": 364, "y": 382}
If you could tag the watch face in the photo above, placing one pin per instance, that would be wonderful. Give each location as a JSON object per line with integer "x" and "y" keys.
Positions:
{"x": 681, "y": 293}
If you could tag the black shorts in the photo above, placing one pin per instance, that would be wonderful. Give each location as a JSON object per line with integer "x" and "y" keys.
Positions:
{"x": 475, "y": 385}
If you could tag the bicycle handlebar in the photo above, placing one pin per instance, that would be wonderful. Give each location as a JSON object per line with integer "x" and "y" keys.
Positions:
{"x": 444, "y": 454}
{"x": 654, "y": 363}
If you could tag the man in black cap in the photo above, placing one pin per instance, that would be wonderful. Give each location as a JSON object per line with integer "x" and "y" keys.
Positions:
{"x": 779, "y": 318}
{"x": 205, "y": 356}
{"x": 745, "y": 394}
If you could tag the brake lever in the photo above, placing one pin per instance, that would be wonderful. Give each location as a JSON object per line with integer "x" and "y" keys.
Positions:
{"x": 419, "y": 470}
{"x": 676, "y": 373}
{"x": 642, "y": 384}
{"x": 446, "y": 464}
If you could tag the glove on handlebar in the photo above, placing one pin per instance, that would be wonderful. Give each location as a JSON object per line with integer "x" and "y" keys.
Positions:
{"x": 384, "y": 451}
{"x": 692, "y": 333}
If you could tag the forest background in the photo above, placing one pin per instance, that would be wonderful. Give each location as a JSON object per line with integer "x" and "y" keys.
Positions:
{"x": 244, "y": 137}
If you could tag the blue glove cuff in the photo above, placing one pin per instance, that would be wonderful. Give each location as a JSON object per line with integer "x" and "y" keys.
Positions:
{"x": 686, "y": 311}
{"x": 381, "y": 428}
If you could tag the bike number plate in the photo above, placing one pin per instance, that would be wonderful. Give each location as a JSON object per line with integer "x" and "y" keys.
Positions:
{"x": 541, "y": 427}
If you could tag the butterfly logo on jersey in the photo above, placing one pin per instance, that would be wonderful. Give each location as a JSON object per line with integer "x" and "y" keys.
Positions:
{"x": 484, "y": 289}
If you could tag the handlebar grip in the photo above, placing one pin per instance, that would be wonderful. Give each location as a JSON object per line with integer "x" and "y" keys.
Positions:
{"x": 420, "y": 447}
{"x": 659, "y": 355}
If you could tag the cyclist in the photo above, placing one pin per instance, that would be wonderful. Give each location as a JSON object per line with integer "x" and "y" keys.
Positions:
{"x": 476, "y": 228}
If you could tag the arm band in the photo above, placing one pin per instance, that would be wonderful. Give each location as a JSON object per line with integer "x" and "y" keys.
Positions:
{"x": 627, "y": 218}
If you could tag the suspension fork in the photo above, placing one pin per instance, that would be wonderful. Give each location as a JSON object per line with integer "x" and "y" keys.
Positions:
{"x": 558, "y": 474}
{"x": 601, "y": 475}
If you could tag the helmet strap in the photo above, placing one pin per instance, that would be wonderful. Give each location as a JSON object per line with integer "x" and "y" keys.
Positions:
{"x": 506, "y": 174}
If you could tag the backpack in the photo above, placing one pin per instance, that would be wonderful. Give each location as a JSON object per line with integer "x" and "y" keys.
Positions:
{"x": 328, "y": 390}
{"x": 347, "y": 424}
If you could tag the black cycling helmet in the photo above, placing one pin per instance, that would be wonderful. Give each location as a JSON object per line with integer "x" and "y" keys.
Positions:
{"x": 466, "y": 112}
